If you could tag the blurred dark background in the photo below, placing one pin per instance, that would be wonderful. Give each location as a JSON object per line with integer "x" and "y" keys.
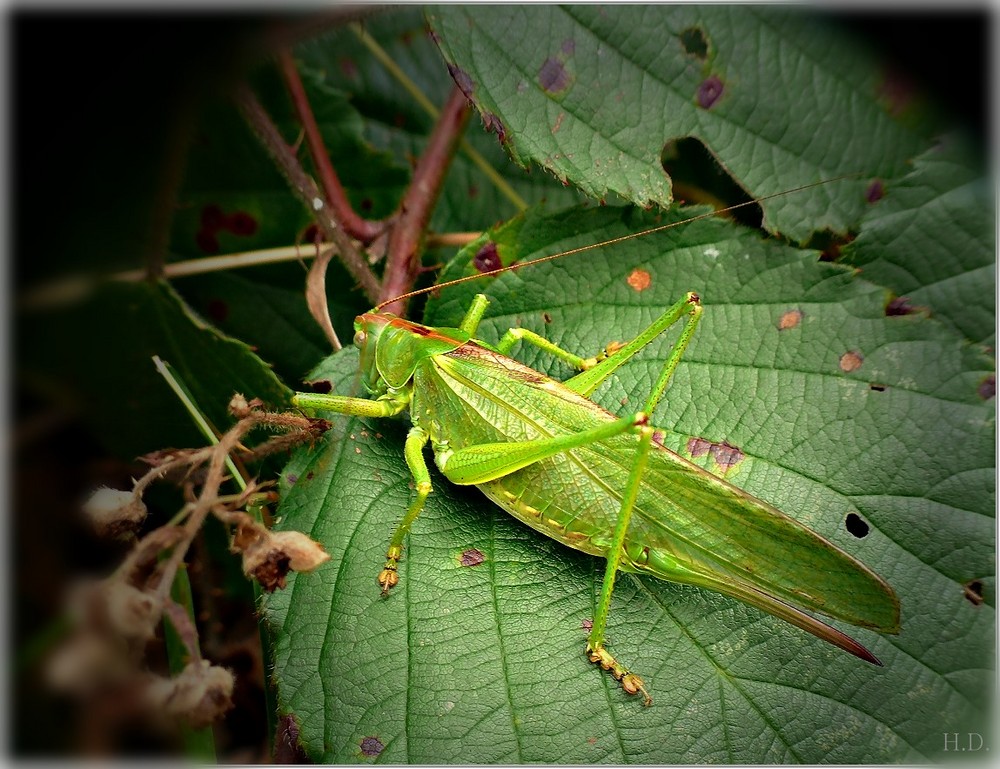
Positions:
{"x": 95, "y": 100}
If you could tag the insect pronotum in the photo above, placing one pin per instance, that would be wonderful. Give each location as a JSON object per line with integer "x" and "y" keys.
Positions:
{"x": 642, "y": 507}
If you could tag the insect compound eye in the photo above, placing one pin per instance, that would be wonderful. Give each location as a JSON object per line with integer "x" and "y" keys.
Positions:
{"x": 359, "y": 338}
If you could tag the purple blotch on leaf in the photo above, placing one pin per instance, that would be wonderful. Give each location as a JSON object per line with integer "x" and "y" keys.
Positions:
{"x": 568, "y": 46}
{"x": 552, "y": 76}
{"x": 462, "y": 80}
{"x": 487, "y": 258}
{"x": 875, "y": 191}
{"x": 710, "y": 91}
{"x": 371, "y": 746}
{"x": 988, "y": 387}
{"x": 292, "y": 479}
{"x": 472, "y": 557}
{"x": 900, "y": 305}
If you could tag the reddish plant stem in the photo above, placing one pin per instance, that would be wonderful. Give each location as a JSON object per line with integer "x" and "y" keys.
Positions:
{"x": 307, "y": 190}
{"x": 407, "y": 238}
{"x": 357, "y": 227}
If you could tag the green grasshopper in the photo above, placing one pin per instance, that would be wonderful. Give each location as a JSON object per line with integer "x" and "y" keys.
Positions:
{"x": 548, "y": 455}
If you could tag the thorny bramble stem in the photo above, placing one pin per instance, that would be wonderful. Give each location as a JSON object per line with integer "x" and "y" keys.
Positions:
{"x": 307, "y": 190}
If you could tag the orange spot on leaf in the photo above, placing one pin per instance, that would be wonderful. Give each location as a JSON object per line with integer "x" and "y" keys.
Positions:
{"x": 639, "y": 280}
{"x": 851, "y": 361}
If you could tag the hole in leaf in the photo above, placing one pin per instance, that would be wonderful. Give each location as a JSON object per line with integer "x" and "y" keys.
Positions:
{"x": 856, "y": 525}
{"x": 695, "y": 43}
{"x": 879, "y": 388}
{"x": 698, "y": 177}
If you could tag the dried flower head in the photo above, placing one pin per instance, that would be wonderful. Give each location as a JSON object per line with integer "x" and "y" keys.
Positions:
{"x": 85, "y": 662}
{"x": 199, "y": 694}
{"x": 132, "y": 612}
{"x": 115, "y": 513}
{"x": 269, "y": 556}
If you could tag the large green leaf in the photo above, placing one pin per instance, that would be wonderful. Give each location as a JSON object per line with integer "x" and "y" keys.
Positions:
{"x": 932, "y": 239}
{"x": 839, "y": 413}
{"x": 594, "y": 94}
{"x": 129, "y": 405}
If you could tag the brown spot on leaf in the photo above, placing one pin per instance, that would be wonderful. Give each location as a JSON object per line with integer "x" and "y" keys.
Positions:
{"x": 710, "y": 91}
{"x": 287, "y": 749}
{"x": 495, "y": 125}
{"x": 310, "y": 475}
{"x": 206, "y": 241}
{"x": 851, "y": 361}
{"x": 473, "y": 191}
{"x": 875, "y": 191}
{"x": 789, "y": 319}
{"x": 856, "y": 525}
{"x": 472, "y": 557}
{"x": 546, "y": 317}
{"x": 587, "y": 624}
{"x": 462, "y": 80}
{"x": 639, "y": 280}
{"x": 241, "y": 223}
{"x": 988, "y": 387}
{"x": 558, "y": 123}
{"x": 371, "y": 746}
{"x": 695, "y": 43}
{"x": 553, "y": 76}
{"x": 973, "y": 590}
{"x": 487, "y": 258}
{"x": 212, "y": 217}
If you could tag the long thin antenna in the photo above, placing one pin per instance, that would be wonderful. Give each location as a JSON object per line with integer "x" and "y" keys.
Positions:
{"x": 612, "y": 241}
